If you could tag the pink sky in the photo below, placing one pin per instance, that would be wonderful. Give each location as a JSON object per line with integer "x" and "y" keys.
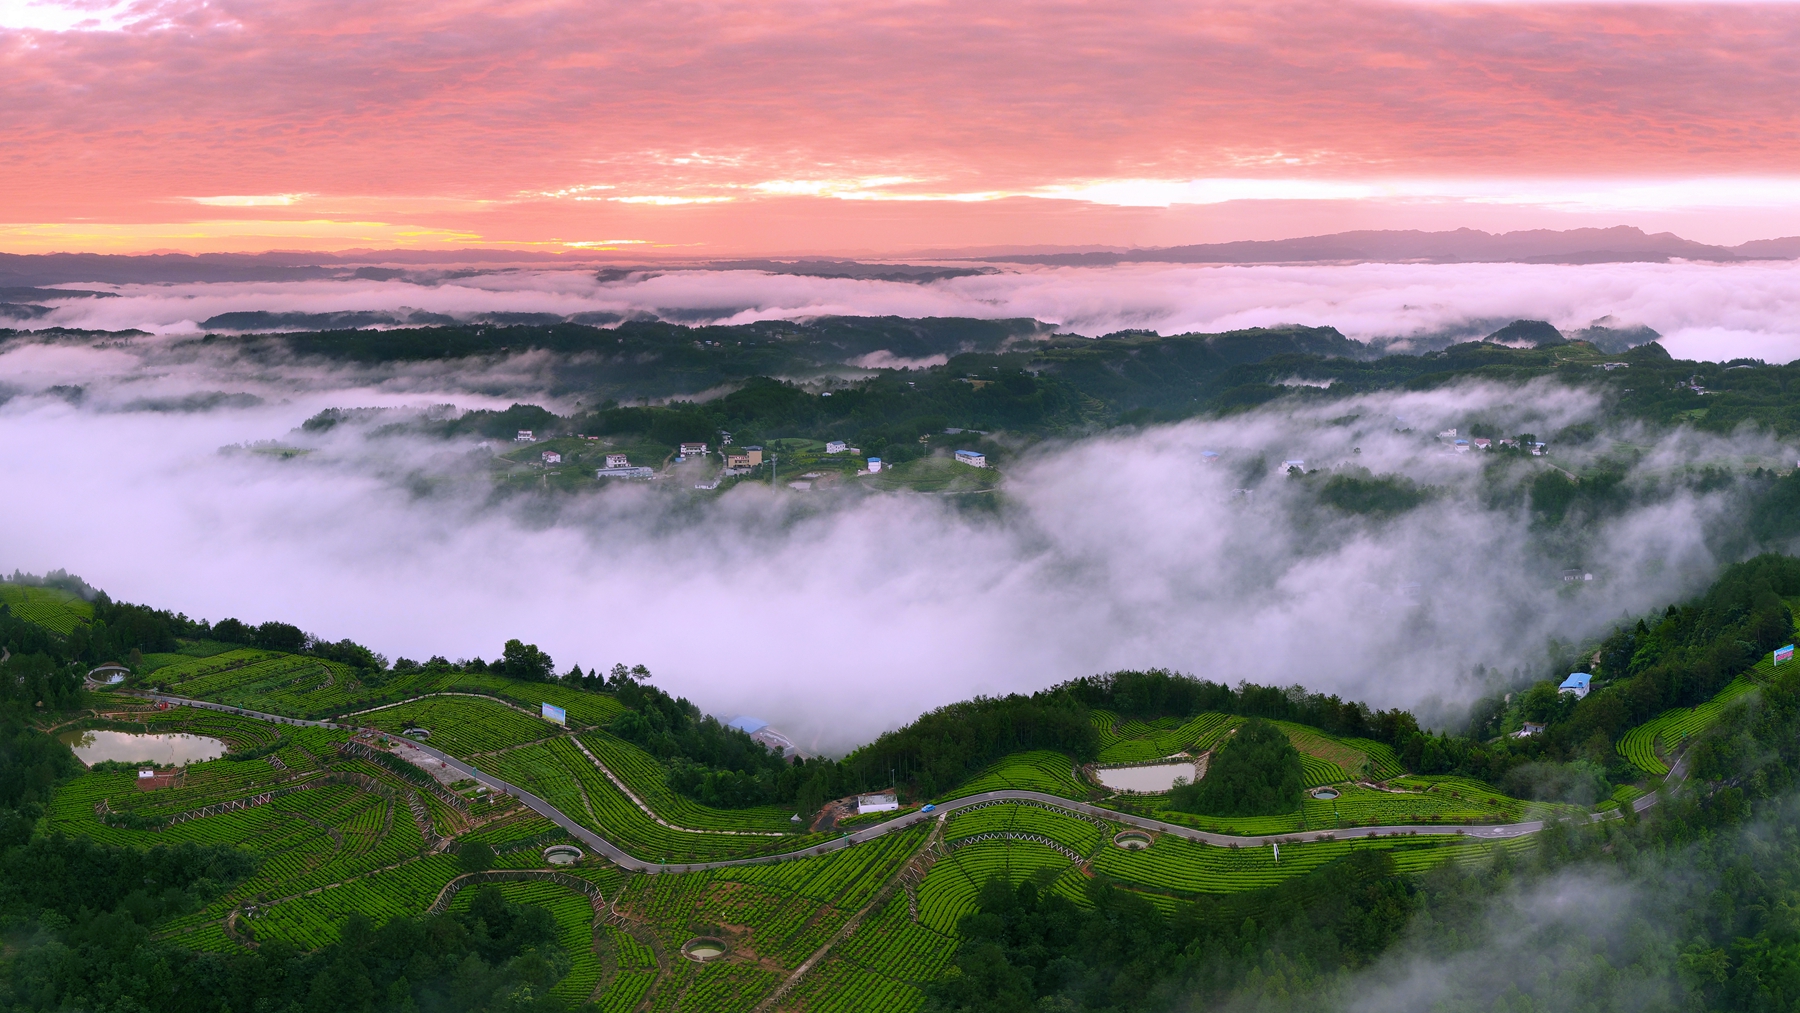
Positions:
{"x": 720, "y": 129}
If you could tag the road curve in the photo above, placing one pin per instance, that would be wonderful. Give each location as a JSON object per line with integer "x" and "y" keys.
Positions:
{"x": 626, "y": 860}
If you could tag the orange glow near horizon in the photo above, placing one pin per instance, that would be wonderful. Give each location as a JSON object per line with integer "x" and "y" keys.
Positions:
{"x": 666, "y": 128}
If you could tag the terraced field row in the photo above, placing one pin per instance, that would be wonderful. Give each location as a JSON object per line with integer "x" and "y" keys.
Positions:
{"x": 48, "y": 607}
{"x": 891, "y": 944}
{"x": 460, "y": 725}
{"x": 557, "y": 772}
{"x": 1645, "y": 745}
{"x": 574, "y": 931}
{"x": 1038, "y": 770}
{"x": 647, "y": 780}
{"x": 949, "y": 891}
{"x": 636, "y": 972}
{"x": 1135, "y": 741}
{"x": 843, "y": 986}
{"x": 1078, "y": 834}
{"x": 1174, "y": 864}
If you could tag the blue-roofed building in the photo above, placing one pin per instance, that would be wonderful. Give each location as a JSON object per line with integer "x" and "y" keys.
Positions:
{"x": 747, "y": 724}
{"x": 972, "y": 458}
{"x": 1577, "y": 683}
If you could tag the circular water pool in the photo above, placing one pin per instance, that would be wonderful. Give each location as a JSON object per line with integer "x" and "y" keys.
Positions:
{"x": 1131, "y": 840}
{"x": 562, "y": 854}
{"x": 1324, "y": 794}
{"x": 705, "y": 948}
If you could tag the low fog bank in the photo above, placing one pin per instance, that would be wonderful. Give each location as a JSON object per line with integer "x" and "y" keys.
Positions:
{"x": 1628, "y": 930}
{"x": 1705, "y": 311}
{"x": 839, "y": 615}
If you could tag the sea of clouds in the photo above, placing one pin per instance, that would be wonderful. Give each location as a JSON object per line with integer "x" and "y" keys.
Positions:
{"x": 837, "y": 615}
{"x": 1705, "y": 311}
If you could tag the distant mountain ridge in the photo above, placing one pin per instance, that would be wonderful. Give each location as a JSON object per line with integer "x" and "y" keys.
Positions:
{"x": 1620, "y": 244}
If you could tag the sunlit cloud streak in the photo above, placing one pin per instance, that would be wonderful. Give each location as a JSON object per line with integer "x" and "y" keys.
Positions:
{"x": 1705, "y": 311}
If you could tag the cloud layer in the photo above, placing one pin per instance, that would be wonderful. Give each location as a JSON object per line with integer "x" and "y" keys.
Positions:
{"x": 838, "y": 616}
{"x": 1705, "y": 311}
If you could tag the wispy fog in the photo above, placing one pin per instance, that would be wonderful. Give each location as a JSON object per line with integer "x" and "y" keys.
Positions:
{"x": 1705, "y": 311}
{"x": 839, "y": 614}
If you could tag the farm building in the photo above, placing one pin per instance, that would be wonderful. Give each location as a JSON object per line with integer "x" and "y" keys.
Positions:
{"x": 693, "y": 450}
{"x": 1578, "y": 683}
{"x": 552, "y": 457}
{"x": 874, "y": 465}
{"x": 836, "y": 447}
{"x": 524, "y": 437}
{"x": 885, "y": 802}
{"x": 639, "y": 473}
{"x": 748, "y": 457}
{"x": 617, "y": 461}
{"x": 971, "y": 458}
{"x": 1483, "y": 443}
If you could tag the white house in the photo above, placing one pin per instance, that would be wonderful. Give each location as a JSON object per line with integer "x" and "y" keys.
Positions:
{"x": 617, "y": 461}
{"x": 874, "y": 465}
{"x": 524, "y": 437}
{"x": 971, "y": 458}
{"x": 836, "y": 447}
{"x": 1577, "y": 683}
{"x": 552, "y": 457}
{"x": 1297, "y": 462}
{"x": 885, "y": 802}
{"x": 1462, "y": 446}
{"x": 693, "y": 450}
{"x": 1483, "y": 443}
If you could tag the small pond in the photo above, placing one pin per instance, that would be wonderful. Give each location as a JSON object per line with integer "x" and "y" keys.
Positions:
{"x": 95, "y": 746}
{"x": 562, "y": 854}
{"x": 1157, "y": 777}
{"x": 704, "y": 949}
{"x": 1325, "y": 794}
{"x": 1132, "y": 840}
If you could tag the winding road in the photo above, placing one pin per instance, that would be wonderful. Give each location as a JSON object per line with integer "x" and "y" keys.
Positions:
{"x": 625, "y": 860}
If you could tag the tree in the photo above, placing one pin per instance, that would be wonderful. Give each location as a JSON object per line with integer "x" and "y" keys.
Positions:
{"x": 526, "y": 663}
{"x": 1256, "y": 773}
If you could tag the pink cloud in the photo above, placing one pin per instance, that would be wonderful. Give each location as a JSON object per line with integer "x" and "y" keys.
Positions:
{"x": 488, "y": 103}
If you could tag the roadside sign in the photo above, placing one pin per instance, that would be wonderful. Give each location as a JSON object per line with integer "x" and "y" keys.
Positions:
{"x": 1784, "y": 654}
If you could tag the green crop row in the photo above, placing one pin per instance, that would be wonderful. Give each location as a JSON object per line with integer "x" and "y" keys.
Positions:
{"x": 649, "y": 782}
{"x": 1078, "y": 834}
{"x": 841, "y": 986}
{"x": 557, "y": 772}
{"x": 1038, "y": 770}
{"x": 1175, "y": 864}
{"x": 1645, "y": 745}
{"x": 626, "y": 991}
{"x": 574, "y": 917}
{"x": 48, "y": 607}
{"x": 891, "y": 944}
{"x": 461, "y": 725}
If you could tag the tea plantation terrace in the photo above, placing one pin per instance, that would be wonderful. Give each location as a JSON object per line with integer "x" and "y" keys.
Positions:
{"x": 626, "y": 860}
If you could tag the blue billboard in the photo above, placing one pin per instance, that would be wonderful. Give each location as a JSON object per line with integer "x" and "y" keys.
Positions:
{"x": 554, "y": 713}
{"x": 1784, "y": 654}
